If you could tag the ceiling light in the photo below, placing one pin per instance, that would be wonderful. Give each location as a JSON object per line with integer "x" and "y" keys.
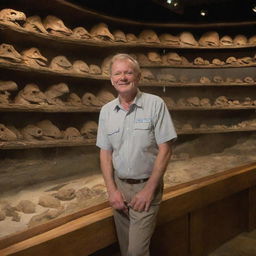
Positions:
{"x": 169, "y": 1}
{"x": 254, "y": 8}
{"x": 203, "y": 12}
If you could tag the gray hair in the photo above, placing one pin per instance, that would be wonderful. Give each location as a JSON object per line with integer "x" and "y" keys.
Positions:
{"x": 124, "y": 56}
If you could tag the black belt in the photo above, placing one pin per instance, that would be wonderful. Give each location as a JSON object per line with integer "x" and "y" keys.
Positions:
{"x": 134, "y": 181}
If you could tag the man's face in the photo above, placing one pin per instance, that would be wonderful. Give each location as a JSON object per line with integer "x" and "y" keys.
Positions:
{"x": 124, "y": 77}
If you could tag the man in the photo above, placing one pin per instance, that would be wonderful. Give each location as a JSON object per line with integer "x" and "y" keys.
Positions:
{"x": 134, "y": 135}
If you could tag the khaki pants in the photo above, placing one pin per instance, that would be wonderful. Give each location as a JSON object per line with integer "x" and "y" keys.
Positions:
{"x": 134, "y": 230}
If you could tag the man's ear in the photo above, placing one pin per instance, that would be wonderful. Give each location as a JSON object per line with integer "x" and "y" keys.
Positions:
{"x": 111, "y": 81}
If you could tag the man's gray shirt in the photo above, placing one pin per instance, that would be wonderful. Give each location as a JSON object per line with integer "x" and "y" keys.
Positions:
{"x": 133, "y": 135}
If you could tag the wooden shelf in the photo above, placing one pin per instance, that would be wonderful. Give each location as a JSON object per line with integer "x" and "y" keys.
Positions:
{"x": 46, "y": 108}
{"x": 21, "y": 32}
{"x": 45, "y": 144}
{"x": 47, "y": 71}
{"x": 211, "y": 130}
{"x": 191, "y": 65}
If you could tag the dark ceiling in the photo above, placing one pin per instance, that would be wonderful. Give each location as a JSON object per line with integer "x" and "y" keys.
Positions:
{"x": 185, "y": 10}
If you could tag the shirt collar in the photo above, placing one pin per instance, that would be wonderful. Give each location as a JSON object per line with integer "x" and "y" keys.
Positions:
{"x": 137, "y": 101}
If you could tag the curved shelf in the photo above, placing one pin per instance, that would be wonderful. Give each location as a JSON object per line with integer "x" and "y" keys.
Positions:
{"x": 23, "y": 144}
{"x": 212, "y": 130}
{"x": 212, "y": 108}
{"x": 48, "y": 71}
{"x": 46, "y": 108}
{"x": 191, "y": 65}
{"x": 20, "y": 31}
{"x": 69, "y": 109}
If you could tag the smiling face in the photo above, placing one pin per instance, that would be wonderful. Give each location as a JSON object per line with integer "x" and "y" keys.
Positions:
{"x": 124, "y": 76}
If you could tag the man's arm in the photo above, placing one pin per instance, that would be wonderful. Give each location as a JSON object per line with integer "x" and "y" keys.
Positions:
{"x": 143, "y": 199}
{"x": 115, "y": 197}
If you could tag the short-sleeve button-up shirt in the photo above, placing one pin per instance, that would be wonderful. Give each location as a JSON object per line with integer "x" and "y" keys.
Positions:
{"x": 133, "y": 135}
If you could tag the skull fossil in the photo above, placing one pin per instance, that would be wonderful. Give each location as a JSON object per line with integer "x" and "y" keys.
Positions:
{"x": 50, "y": 131}
{"x": 89, "y": 99}
{"x": 147, "y": 75}
{"x": 148, "y": 36}
{"x": 7, "y": 52}
{"x": 210, "y": 38}
{"x": 94, "y": 69}
{"x": 32, "y": 57}
{"x": 30, "y": 94}
{"x": 6, "y": 134}
{"x": 12, "y": 17}
{"x": 89, "y": 130}
{"x": 131, "y": 37}
{"x": 74, "y": 100}
{"x": 31, "y": 132}
{"x": 172, "y": 58}
{"x": 81, "y": 33}
{"x": 105, "y": 96}
{"x": 5, "y": 87}
{"x": 169, "y": 39}
{"x": 226, "y": 40}
{"x": 34, "y": 24}
{"x": 101, "y": 32}
{"x": 80, "y": 66}
{"x": 105, "y": 66}
{"x": 119, "y": 36}
{"x": 55, "y": 25}
{"x": 54, "y": 92}
{"x": 60, "y": 63}
{"x": 71, "y": 133}
{"x": 240, "y": 40}
{"x": 187, "y": 39}
{"x": 154, "y": 57}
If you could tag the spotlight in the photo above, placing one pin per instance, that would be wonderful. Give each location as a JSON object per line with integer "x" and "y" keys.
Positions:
{"x": 169, "y": 1}
{"x": 254, "y": 8}
{"x": 203, "y": 12}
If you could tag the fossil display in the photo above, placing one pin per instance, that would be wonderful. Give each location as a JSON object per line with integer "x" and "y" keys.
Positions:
{"x": 73, "y": 99}
{"x": 55, "y": 92}
{"x": 56, "y": 26}
{"x": 148, "y": 36}
{"x": 35, "y": 24}
{"x": 187, "y": 39}
{"x": 210, "y": 38}
{"x": 240, "y": 40}
{"x": 131, "y": 37}
{"x": 80, "y": 66}
{"x": 226, "y": 40}
{"x": 49, "y": 130}
{"x": 81, "y": 33}
{"x": 119, "y": 36}
{"x": 89, "y": 130}
{"x": 89, "y": 99}
{"x": 60, "y": 63}
{"x": 30, "y": 94}
{"x": 5, "y": 88}
{"x": 12, "y": 17}
{"x": 94, "y": 69}
{"x": 169, "y": 39}
{"x": 31, "y": 132}
{"x": 101, "y": 32}
{"x": 73, "y": 134}
{"x": 8, "y": 53}
{"x": 32, "y": 57}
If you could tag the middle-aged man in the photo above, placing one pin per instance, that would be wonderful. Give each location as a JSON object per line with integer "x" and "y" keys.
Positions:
{"x": 134, "y": 135}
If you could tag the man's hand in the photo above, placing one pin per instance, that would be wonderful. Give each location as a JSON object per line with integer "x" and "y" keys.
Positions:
{"x": 116, "y": 201}
{"x": 142, "y": 200}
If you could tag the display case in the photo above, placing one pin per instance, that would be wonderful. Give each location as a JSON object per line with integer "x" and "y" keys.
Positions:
{"x": 54, "y": 80}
